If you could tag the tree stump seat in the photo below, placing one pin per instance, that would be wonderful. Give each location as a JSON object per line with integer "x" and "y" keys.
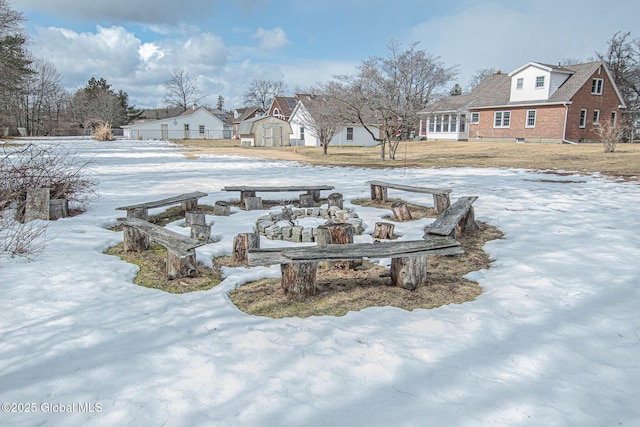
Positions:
{"x": 181, "y": 254}
{"x": 408, "y": 260}
{"x": 441, "y": 199}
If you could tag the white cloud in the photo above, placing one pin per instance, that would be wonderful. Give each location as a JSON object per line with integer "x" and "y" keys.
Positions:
{"x": 271, "y": 39}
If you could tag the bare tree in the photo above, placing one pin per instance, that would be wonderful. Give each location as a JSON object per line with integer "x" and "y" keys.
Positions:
{"x": 478, "y": 76}
{"x": 182, "y": 91}
{"x": 319, "y": 113}
{"x": 261, "y": 93}
{"x": 387, "y": 93}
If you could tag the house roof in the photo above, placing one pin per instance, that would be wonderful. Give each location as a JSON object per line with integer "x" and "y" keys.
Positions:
{"x": 286, "y": 104}
{"x": 246, "y": 113}
{"x": 246, "y": 126}
{"x": 495, "y": 90}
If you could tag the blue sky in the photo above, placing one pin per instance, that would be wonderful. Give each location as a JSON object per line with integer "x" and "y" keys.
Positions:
{"x": 136, "y": 44}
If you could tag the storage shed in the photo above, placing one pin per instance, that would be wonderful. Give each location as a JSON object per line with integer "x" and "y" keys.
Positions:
{"x": 265, "y": 131}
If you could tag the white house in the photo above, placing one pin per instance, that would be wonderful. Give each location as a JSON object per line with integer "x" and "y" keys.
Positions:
{"x": 349, "y": 134}
{"x": 196, "y": 123}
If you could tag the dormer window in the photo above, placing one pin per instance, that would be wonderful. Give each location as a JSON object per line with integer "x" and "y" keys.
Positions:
{"x": 596, "y": 86}
{"x": 539, "y": 82}
{"x": 520, "y": 83}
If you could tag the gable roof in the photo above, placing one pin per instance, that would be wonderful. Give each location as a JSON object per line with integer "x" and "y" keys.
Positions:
{"x": 247, "y": 112}
{"x": 495, "y": 90}
{"x": 286, "y": 104}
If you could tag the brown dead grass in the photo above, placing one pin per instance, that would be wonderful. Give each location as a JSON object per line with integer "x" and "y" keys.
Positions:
{"x": 555, "y": 158}
{"x": 341, "y": 291}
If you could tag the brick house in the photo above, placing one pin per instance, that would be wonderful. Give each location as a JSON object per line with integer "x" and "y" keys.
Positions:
{"x": 282, "y": 107}
{"x": 534, "y": 103}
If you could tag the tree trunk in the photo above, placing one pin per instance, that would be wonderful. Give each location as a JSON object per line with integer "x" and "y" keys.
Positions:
{"x": 194, "y": 218}
{"x": 378, "y": 192}
{"x": 335, "y": 199}
{"x": 325, "y": 146}
{"x": 246, "y": 194}
{"x": 58, "y": 208}
{"x": 383, "y": 231}
{"x": 200, "y": 232}
{"x": 242, "y": 242}
{"x": 189, "y": 205}
{"x": 306, "y": 201}
{"x": 252, "y": 203}
{"x": 382, "y": 145}
{"x": 299, "y": 278}
{"x": 178, "y": 267}
{"x": 341, "y": 234}
{"x": 37, "y": 206}
{"x": 401, "y": 211}
{"x": 441, "y": 202}
{"x": 409, "y": 272}
{"x": 221, "y": 208}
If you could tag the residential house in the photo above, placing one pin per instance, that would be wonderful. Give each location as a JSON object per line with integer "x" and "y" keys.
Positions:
{"x": 195, "y": 123}
{"x": 241, "y": 114}
{"x": 282, "y": 106}
{"x": 264, "y": 131}
{"x": 534, "y": 103}
{"x": 348, "y": 134}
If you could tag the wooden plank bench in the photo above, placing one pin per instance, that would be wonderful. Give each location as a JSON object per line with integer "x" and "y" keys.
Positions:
{"x": 456, "y": 219}
{"x": 408, "y": 260}
{"x": 441, "y": 200}
{"x": 312, "y": 191}
{"x": 181, "y": 254}
{"x": 188, "y": 202}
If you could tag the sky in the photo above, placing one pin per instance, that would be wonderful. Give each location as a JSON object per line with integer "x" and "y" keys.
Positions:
{"x": 553, "y": 340}
{"x": 224, "y": 45}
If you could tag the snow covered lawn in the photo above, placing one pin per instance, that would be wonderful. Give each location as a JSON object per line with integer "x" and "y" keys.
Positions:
{"x": 554, "y": 339}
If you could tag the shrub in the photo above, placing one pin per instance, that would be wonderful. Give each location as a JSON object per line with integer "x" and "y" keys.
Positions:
{"x": 103, "y": 133}
{"x": 610, "y": 133}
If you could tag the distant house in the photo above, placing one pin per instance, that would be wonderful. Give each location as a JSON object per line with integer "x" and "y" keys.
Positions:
{"x": 196, "y": 123}
{"x": 282, "y": 107}
{"x": 536, "y": 102}
{"x": 241, "y": 114}
{"x": 264, "y": 131}
{"x": 349, "y": 134}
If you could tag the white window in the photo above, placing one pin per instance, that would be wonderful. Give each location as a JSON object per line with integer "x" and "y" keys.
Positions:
{"x": 614, "y": 116}
{"x": 520, "y": 83}
{"x": 596, "y": 86}
{"x": 445, "y": 123}
{"x": 531, "y": 118}
{"x": 596, "y": 117}
{"x": 475, "y": 117}
{"x": 583, "y": 118}
{"x": 432, "y": 121}
{"x": 463, "y": 124}
{"x": 301, "y": 132}
{"x": 438, "y": 124}
{"x": 349, "y": 134}
{"x": 539, "y": 82}
{"x": 201, "y": 129}
{"x": 452, "y": 126}
{"x": 501, "y": 119}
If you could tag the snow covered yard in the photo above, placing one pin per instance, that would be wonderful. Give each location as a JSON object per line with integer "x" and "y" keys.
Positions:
{"x": 553, "y": 340}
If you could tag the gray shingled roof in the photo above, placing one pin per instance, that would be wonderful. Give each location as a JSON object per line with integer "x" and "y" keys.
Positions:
{"x": 495, "y": 90}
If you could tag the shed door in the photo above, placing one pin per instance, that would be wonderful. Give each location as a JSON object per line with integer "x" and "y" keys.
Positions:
{"x": 273, "y": 136}
{"x": 164, "y": 130}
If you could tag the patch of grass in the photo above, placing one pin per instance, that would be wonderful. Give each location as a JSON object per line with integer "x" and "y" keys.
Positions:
{"x": 152, "y": 274}
{"x": 339, "y": 291}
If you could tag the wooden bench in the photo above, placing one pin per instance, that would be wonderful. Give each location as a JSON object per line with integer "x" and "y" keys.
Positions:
{"x": 188, "y": 202}
{"x": 408, "y": 260}
{"x": 455, "y": 220}
{"x": 181, "y": 254}
{"x": 441, "y": 199}
{"x": 306, "y": 200}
